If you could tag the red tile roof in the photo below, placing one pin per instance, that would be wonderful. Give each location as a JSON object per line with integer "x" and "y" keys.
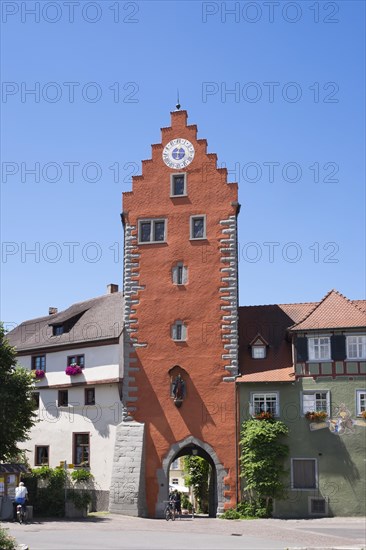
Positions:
{"x": 273, "y": 323}
{"x": 334, "y": 311}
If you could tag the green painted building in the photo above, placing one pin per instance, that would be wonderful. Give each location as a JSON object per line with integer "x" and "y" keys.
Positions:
{"x": 305, "y": 365}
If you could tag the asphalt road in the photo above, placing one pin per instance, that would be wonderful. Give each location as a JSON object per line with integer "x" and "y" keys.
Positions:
{"x": 112, "y": 532}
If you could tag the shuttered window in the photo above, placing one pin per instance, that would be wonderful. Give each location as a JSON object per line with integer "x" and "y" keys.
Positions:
{"x": 303, "y": 473}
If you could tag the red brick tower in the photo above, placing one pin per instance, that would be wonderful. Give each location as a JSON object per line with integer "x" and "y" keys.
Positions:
{"x": 180, "y": 285}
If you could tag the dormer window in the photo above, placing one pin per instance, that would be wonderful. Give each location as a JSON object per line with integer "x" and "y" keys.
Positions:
{"x": 258, "y": 347}
{"x": 258, "y": 352}
{"x": 58, "y": 330}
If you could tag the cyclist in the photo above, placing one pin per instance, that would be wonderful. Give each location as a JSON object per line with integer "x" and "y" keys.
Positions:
{"x": 21, "y": 495}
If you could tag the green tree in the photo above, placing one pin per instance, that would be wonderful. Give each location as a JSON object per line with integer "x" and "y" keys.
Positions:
{"x": 262, "y": 458}
{"x": 197, "y": 471}
{"x": 16, "y": 404}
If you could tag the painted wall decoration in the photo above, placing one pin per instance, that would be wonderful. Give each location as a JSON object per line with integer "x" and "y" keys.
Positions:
{"x": 341, "y": 423}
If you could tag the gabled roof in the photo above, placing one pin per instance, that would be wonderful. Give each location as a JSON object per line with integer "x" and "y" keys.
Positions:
{"x": 94, "y": 320}
{"x": 334, "y": 311}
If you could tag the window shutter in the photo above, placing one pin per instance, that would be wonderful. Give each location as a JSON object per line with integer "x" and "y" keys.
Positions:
{"x": 185, "y": 274}
{"x": 174, "y": 332}
{"x": 175, "y": 275}
{"x": 301, "y": 345}
{"x": 338, "y": 347}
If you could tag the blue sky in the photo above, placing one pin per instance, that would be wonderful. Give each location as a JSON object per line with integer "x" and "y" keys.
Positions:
{"x": 276, "y": 88}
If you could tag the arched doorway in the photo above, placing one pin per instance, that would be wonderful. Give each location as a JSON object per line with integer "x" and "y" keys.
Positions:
{"x": 193, "y": 446}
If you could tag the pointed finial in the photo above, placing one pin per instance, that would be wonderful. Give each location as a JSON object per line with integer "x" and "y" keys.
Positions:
{"x": 178, "y": 104}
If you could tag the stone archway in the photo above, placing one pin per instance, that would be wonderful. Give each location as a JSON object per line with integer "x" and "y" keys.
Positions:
{"x": 207, "y": 452}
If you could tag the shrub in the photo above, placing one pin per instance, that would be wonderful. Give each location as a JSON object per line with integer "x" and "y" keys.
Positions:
{"x": 81, "y": 499}
{"x": 7, "y": 542}
{"x": 81, "y": 475}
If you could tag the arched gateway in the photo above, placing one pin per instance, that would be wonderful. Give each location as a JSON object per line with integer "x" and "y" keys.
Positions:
{"x": 181, "y": 334}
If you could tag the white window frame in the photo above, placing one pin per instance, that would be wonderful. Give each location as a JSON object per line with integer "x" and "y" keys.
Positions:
{"x": 315, "y": 345}
{"x": 175, "y": 274}
{"x": 257, "y": 347}
{"x": 183, "y": 331}
{"x": 313, "y": 408}
{"x": 316, "y": 474}
{"x": 360, "y": 402}
{"x": 359, "y": 355}
{"x": 152, "y": 221}
{"x": 265, "y": 395}
{"x": 172, "y": 177}
{"x": 196, "y": 216}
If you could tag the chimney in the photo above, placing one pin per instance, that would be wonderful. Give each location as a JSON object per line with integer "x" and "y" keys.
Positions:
{"x": 52, "y": 310}
{"x": 111, "y": 288}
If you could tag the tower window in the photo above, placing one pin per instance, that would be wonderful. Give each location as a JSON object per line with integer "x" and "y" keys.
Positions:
{"x": 152, "y": 231}
{"x": 179, "y": 274}
{"x": 179, "y": 331}
{"x": 178, "y": 185}
{"x": 198, "y": 227}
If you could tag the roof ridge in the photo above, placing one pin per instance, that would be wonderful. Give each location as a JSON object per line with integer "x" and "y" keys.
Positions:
{"x": 314, "y": 308}
{"x": 282, "y": 304}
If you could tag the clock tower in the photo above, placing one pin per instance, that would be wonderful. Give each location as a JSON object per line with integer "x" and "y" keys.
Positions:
{"x": 181, "y": 335}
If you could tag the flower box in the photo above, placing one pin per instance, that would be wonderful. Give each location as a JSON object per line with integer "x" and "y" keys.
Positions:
{"x": 38, "y": 374}
{"x": 73, "y": 370}
{"x": 314, "y": 416}
{"x": 263, "y": 416}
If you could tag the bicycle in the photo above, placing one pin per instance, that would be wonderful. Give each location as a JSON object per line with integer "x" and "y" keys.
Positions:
{"x": 169, "y": 512}
{"x": 21, "y": 513}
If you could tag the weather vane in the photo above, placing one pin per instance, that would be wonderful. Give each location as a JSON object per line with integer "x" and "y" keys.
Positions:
{"x": 178, "y": 104}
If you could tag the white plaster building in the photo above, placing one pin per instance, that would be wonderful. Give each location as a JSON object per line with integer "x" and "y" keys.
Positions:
{"x": 77, "y": 414}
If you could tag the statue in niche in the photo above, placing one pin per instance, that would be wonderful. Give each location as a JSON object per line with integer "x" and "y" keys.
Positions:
{"x": 178, "y": 390}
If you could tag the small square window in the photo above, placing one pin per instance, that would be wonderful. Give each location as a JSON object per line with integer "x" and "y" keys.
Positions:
{"x": 90, "y": 396}
{"x": 39, "y": 362}
{"x": 318, "y": 401}
{"x": 41, "y": 455}
{"x": 178, "y": 185}
{"x": 198, "y": 227}
{"x": 265, "y": 403}
{"x": 258, "y": 352}
{"x": 175, "y": 481}
{"x": 63, "y": 398}
{"x": 78, "y": 360}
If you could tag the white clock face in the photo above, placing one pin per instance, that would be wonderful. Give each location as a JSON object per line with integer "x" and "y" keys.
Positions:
{"x": 178, "y": 153}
